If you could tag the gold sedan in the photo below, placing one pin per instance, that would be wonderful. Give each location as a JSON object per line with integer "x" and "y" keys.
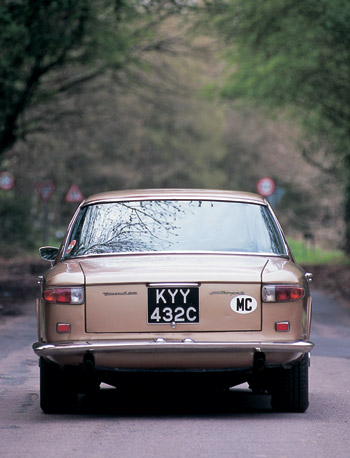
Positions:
{"x": 173, "y": 285}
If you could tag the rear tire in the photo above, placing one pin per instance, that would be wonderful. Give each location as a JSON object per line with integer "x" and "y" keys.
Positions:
{"x": 58, "y": 393}
{"x": 290, "y": 387}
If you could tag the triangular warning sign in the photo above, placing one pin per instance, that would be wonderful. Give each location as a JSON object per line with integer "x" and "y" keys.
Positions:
{"x": 74, "y": 194}
{"x": 45, "y": 189}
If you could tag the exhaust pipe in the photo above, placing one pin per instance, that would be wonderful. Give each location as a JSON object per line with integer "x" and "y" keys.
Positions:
{"x": 259, "y": 362}
{"x": 88, "y": 361}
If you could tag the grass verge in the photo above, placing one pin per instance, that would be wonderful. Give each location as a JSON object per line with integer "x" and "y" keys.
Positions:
{"x": 310, "y": 254}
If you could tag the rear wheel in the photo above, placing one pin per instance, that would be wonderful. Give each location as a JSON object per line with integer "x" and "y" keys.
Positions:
{"x": 58, "y": 393}
{"x": 290, "y": 387}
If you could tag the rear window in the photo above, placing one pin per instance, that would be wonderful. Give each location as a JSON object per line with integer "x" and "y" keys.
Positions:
{"x": 174, "y": 226}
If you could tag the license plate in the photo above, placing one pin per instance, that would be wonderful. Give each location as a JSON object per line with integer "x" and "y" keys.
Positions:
{"x": 173, "y": 305}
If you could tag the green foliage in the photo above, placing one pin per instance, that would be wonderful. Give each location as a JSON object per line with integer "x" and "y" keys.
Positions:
{"x": 310, "y": 254}
{"x": 292, "y": 52}
{"x": 120, "y": 109}
{"x": 14, "y": 227}
{"x": 35, "y": 37}
{"x": 85, "y": 38}
{"x": 294, "y": 55}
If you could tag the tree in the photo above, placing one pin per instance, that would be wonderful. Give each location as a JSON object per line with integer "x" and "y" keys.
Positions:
{"x": 293, "y": 54}
{"x": 15, "y": 223}
{"x": 82, "y": 37}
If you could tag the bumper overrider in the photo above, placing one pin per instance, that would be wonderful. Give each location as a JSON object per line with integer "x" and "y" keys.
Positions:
{"x": 160, "y": 352}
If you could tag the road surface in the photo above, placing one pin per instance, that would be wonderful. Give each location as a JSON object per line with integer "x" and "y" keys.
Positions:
{"x": 171, "y": 425}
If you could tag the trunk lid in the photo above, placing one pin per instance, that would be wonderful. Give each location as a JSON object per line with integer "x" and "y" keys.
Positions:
{"x": 119, "y": 300}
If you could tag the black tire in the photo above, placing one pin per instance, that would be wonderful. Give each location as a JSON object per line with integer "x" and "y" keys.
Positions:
{"x": 58, "y": 392}
{"x": 290, "y": 387}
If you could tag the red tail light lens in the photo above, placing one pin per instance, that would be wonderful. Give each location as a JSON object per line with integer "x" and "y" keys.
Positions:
{"x": 64, "y": 295}
{"x": 49, "y": 295}
{"x": 282, "y": 293}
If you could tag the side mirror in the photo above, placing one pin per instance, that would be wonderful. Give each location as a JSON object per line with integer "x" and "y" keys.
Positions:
{"x": 308, "y": 277}
{"x": 48, "y": 253}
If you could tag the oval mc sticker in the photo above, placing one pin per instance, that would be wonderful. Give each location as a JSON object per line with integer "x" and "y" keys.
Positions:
{"x": 243, "y": 304}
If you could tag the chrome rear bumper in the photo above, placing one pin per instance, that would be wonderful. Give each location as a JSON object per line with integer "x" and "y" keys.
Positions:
{"x": 162, "y": 346}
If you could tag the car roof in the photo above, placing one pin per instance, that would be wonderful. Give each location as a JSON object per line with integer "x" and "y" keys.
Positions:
{"x": 170, "y": 194}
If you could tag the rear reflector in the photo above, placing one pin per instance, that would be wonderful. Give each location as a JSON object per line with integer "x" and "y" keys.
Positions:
{"x": 282, "y": 326}
{"x": 282, "y": 293}
{"x": 63, "y": 327}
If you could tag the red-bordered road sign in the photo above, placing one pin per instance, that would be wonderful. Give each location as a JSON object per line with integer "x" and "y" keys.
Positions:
{"x": 6, "y": 181}
{"x": 45, "y": 189}
{"x": 266, "y": 186}
{"x": 74, "y": 194}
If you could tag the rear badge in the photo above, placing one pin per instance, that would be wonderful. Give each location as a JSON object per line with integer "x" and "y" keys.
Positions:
{"x": 243, "y": 304}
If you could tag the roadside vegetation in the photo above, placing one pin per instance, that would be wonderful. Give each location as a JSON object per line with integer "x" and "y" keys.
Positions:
{"x": 310, "y": 254}
{"x": 216, "y": 94}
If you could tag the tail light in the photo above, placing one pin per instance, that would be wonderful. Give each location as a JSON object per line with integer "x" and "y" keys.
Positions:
{"x": 64, "y": 295}
{"x": 282, "y": 293}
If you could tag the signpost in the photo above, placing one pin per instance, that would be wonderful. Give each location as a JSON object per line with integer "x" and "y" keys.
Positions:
{"x": 74, "y": 194}
{"x": 45, "y": 189}
{"x": 266, "y": 186}
{"x": 6, "y": 181}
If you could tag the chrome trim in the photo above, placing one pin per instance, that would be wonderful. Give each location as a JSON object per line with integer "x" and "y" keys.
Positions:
{"x": 171, "y": 285}
{"x": 174, "y": 194}
{"x": 149, "y": 346}
{"x": 309, "y": 276}
{"x": 180, "y": 253}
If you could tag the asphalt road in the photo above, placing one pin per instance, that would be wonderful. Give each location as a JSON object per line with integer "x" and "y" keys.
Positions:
{"x": 172, "y": 425}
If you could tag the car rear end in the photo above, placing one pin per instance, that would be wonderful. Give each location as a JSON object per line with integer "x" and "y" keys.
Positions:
{"x": 234, "y": 316}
